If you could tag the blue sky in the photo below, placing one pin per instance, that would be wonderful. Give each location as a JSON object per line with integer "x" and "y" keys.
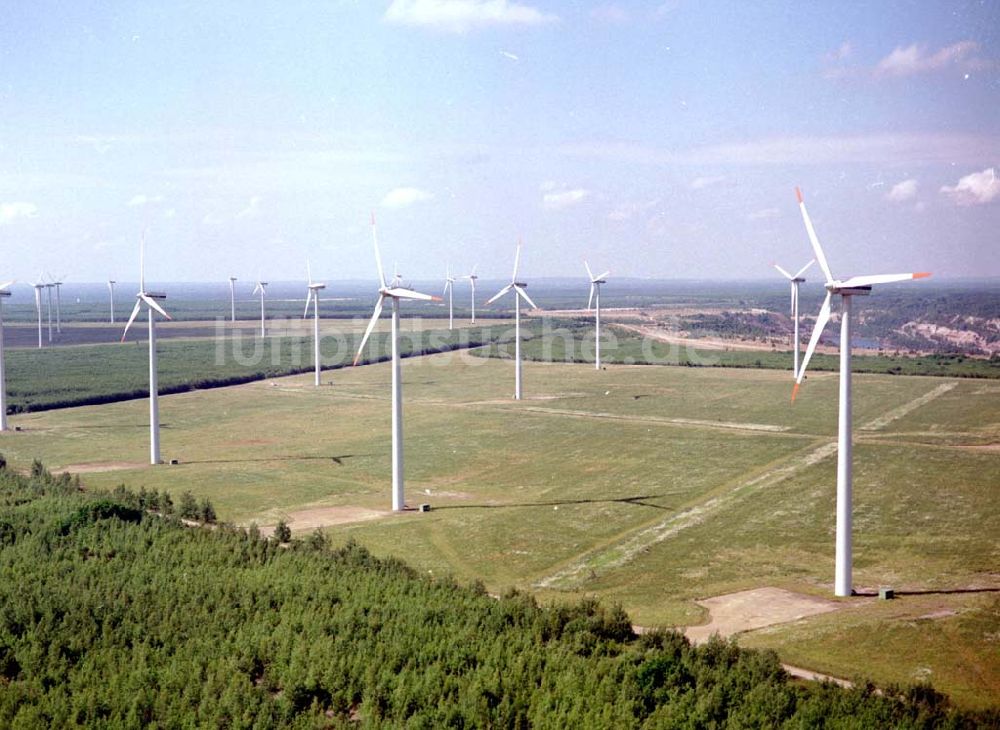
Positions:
{"x": 660, "y": 139}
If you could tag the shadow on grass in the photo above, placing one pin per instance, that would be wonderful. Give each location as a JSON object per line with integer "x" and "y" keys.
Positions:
{"x": 335, "y": 459}
{"x": 930, "y": 592}
{"x": 639, "y": 501}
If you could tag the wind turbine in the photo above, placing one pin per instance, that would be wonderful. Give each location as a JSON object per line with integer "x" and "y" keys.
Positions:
{"x": 312, "y": 295}
{"x": 449, "y": 291}
{"x": 595, "y": 289}
{"x": 111, "y": 288}
{"x": 58, "y": 283}
{"x": 846, "y": 289}
{"x": 38, "y": 308}
{"x": 261, "y": 286}
{"x": 3, "y": 378}
{"x": 518, "y": 288}
{"x": 232, "y": 297}
{"x": 150, "y": 299}
{"x": 395, "y": 292}
{"x": 48, "y": 294}
{"x": 794, "y": 281}
{"x": 472, "y": 282}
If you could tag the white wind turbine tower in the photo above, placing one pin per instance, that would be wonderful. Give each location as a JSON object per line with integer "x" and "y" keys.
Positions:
{"x": 518, "y": 288}
{"x": 48, "y": 310}
{"x": 232, "y": 297}
{"x": 150, "y": 300}
{"x": 312, "y": 295}
{"x": 261, "y": 286}
{"x": 449, "y": 291}
{"x": 58, "y": 283}
{"x": 794, "y": 282}
{"x": 111, "y": 289}
{"x": 38, "y": 308}
{"x": 472, "y": 282}
{"x": 846, "y": 289}
{"x": 3, "y": 377}
{"x": 595, "y": 290}
{"x": 395, "y": 292}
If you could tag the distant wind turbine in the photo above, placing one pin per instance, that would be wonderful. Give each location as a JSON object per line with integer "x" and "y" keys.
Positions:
{"x": 472, "y": 282}
{"x": 111, "y": 289}
{"x": 846, "y": 289}
{"x": 3, "y": 377}
{"x": 232, "y": 297}
{"x": 794, "y": 281}
{"x": 57, "y": 284}
{"x": 151, "y": 300}
{"x": 312, "y": 295}
{"x": 449, "y": 291}
{"x": 595, "y": 290}
{"x": 395, "y": 292}
{"x": 519, "y": 293}
{"x": 38, "y": 309}
{"x": 48, "y": 295}
{"x": 261, "y": 286}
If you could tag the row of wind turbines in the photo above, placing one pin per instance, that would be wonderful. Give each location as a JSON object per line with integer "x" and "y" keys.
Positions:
{"x": 394, "y": 292}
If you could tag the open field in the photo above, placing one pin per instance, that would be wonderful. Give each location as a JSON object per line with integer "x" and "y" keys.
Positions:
{"x": 653, "y": 487}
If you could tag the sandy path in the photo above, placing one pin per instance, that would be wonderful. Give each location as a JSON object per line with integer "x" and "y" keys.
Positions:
{"x": 306, "y": 520}
{"x": 95, "y": 467}
{"x": 896, "y": 413}
{"x": 734, "y": 613}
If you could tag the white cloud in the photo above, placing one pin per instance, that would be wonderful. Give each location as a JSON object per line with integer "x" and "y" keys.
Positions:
{"x": 401, "y": 197}
{"x": 460, "y": 16}
{"x": 977, "y": 188}
{"x": 902, "y": 191}
{"x": 916, "y": 59}
{"x": 700, "y": 183}
{"x": 564, "y": 199}
{"x": 10, "y": 212}
{"x": 764, "y": 215}
{"x": 610, "y": 13}
{"x": 627, "y": 211}
{"x": 844, "y": 50}
{"x": 252, "y": 210}
{"x": 141, "y": 199}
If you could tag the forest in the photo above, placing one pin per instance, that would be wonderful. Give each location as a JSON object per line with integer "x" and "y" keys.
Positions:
{"x": 115, "y": 612}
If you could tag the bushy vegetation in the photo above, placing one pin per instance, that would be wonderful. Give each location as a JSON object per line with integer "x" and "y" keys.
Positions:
{"x": 115, "y": 614}
{"x": 94, "y": 374}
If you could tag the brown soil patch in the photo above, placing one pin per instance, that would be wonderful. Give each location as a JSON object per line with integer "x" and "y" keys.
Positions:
{"x": 307, "y": 520}
{"x": 754, "y": 609}
{"x": 99, "y": 467}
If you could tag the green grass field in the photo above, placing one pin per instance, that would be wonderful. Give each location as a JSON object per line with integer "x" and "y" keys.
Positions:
{"x": 648, "y": 486}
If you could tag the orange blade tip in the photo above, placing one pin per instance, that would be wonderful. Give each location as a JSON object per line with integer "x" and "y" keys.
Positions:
{"x": 795, "y": 392}
{"x": 921, "y": 275}
{"x": 798, "y": 194}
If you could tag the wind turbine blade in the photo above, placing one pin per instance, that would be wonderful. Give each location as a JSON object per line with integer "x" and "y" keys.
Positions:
{"x": 378, "y": 256}
{"x": 142, "y": 261}
{"x": 447, "y": 285}
{"x": 401, "y": 293}
{"x": 589, "y": 272}
{"x": 817, "y": 249}
{"x": 255, "y": 289}
{"x": 783, "y": 272}
{"x": 590, "y": 301}
{"x": 6, "y": 284}
{"x": 801, "y": 271}
{"x": 474, "y": 270}
{"x": 517, "y": 259}
{"x": 821, "y": 319}
{"x": 155, "y": 305}
{"x": 524, "y": 294}
{"x": 309, "y": 296}
{"x": 309, "y": 273}
{"x": 500, "y": 293}
{"x": 604, "y": 275}
{"x": 883, "y": 279}
{"x": 371, "y": 324}
{"x": 131, "y": 319}
{"x": 792, "y": 289}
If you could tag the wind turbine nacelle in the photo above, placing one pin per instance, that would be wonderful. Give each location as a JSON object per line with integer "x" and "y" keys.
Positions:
{"x": 156, "y": 294}
{"x": 605, "y": 281}
{"x": 798, "y": 280}
{"x": 317, "y": 286}
{"x": 849, "y": 291}
{"x": 521, "y": 284}
{"x": 4, "y": 293}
